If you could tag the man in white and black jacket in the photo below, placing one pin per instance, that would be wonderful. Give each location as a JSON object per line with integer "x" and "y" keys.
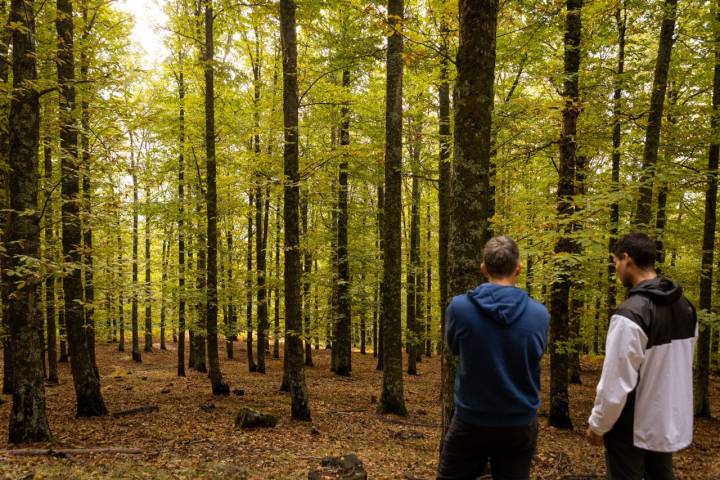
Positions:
{"x": 644, "y": 404}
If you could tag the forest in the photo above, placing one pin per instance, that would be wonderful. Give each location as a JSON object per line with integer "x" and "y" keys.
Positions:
{"x": 265, "y": 219}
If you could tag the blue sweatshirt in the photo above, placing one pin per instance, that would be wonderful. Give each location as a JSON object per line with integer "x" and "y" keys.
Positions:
{"x": 500, "y": 334}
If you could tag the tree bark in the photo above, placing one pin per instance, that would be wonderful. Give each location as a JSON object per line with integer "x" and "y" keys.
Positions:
{"x": 300, "y": 407}
{"x": 470, "y": 204}
{"x": 51, "y": 255}
{"x": 381, "y": 253}
{"x": 578, "y": 298}
{"x": 702, "y": 370}
{"x": 276, "y": 302}
{"x": 342, "y": 344}
{"x": 148, "y": 275}
{"x": 231, "y": 335}
{"x": 413, "y": 303}
{"x": 163, "y": 290}
{"x": 28, "y": 422}
{"x": 559, "y": 415}
{"x": 136, "y": 355}
{"x": 181, "y": 220}
{"x": 252, "y": 367}
{"x": 120, "y": 296}
{"x": 392, "y": 398}
{"x": 643, "y": 210}
{"x": 307, "y": 272}
{"x": 87, "y": 383}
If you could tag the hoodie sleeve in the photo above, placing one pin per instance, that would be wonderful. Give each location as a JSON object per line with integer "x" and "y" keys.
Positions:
{"x": 451, "y": 328}
{"x": 624, "y": 353}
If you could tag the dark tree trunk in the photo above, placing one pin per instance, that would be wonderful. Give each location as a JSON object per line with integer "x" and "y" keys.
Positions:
{"x": 578, "y": 297}
{"x": 342, "y": 344}
{"x": 181, "y": 222}
{"x": 163, "y": 291}
{"x": 197, "y": 340}
{"x": 28, "y": 422}
{"x": 702, "y": 371}
{"x": 5, "y": 39}
{"x": 51, "y": 255}
{"x": 664, "y": 188}
{"x": 136, "y": 356}
{"x": 276, "y": 302}
{"x": 559, "y": 415}
{"x": 448, "y": 363}
{"x": 621, "y": 22}
{"x": 414, "y": 271}
{"x": 381, "y": 249}
{"x": 333, "y": 318}
{"x": 293, "y": 321}
{"x": 249, "y": 286}
{"x": 87, "y": 383}
{"x": 231, "y": 317}
{"x": 148, "y": 286}
{"x": 307, "y": 272}
{"x": 643, "y": 210}
{"x": 392, "y": 398}
{"x": 120, "y": 294}
{"x": 428, "y": 287}
{"x": 470, "y": 203}
{"x": 262, "y": 311}
{"x": 219, "y": 387}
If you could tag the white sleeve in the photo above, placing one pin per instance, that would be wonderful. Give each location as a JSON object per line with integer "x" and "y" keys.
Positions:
{"x": 624, "y": 353}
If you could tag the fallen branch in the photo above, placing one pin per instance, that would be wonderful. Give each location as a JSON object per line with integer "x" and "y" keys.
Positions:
{"x": 133, "y": 411}
{"x": 73, "y": 451}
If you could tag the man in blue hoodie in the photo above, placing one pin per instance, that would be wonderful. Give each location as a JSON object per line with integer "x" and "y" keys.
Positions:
{"x": 500, "y": 335}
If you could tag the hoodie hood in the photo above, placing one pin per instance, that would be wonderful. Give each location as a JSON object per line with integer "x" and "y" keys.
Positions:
{"x": 661, "y": 290}
{"x": 502, "y": 303}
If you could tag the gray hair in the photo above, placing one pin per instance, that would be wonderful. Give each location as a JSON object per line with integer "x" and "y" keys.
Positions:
{"x": 501, "y": 256}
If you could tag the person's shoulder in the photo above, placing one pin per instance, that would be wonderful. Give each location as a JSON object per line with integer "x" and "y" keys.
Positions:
{"x": 538, "y": 311}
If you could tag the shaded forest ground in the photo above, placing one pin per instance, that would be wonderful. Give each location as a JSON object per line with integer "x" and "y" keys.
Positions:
{"x": 193, "y": 434}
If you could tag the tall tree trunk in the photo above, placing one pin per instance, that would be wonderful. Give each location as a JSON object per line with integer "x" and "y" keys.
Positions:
{"x": 51, "y": 255}
{"x": 702, "y": 371}
{"x": 232, "y": 312}
{"x": 559, "y": 416}
{"x": 120, "y": 294}
{"x": 428, "y": 287}
{"x": 148, "y": 286}
{"x": 181, "y": 221}
{"x": 381, "y": 253}
{"x": 197, "y": 340}
{"x": 307, "y": 272}
{"x": 293, "y": 321}
{"x": 28, "y": 422}
{"x": 87, "y": 383}
{"x": 578, "y": 298}
{"x": 249, "y": 285}
{"x": 276, "y": 302}
{"x": 136, "y": 356}
{"x": 414, "y": 270}
{"x": 260, "y": 279}
{"x": 5, "y": 39}
{"x": 342, "y": 344}
{"x": 470, "y": 204}
{"x": 392, "y": 398}
{"x": 621, "y": 23}
{"x": 163, "y": 290}
{"x": 448, "y": 362}
{"x": 643, "y": 210}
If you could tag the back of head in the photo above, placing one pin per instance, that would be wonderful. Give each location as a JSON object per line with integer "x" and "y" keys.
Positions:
{"x": 639, "y": 247}
{"x": 501, "y": 256}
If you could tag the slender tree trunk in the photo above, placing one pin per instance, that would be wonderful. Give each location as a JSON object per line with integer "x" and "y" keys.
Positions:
{"x": 307, "y": 272}
{"x": 381, "y": 253}
{"x": 120, "y": 296}
{"x": 28, "y": 422}
{"x": 148, "y": 286}
{"x": 136, "y": 356}
{"x": 342, "y": 345}
{"x": 428, "y": 286}
{"x": 87, "y": 384}
{"x": 316, "y": 301}
{"x": 702, "y": 371}
{"x": 197, "y": 340}
{"x": 181, "y": 221}
{"x": 51, "y": 255}
{"x": 578, "y": 298}
{"x": 163, "y": 291}
{"x": 448, "y": 362}
{"x": 249, "y": 285}
{"x": 559, "y": 416}
{"x": 260, "y": 279}
{"x": 414, "y": 271}
{"x": 470, "y": 204}
{"x": 276, "y": 306}
{"x": 232, "y": 313}
{"x": 293, "y": 321}
{"x": 643, "y": 210}
{"x": 621, "y": 22}
{"x": 392, "y": 398}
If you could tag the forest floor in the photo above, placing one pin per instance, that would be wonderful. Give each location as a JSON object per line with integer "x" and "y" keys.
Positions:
{"x": 193, "y": 434}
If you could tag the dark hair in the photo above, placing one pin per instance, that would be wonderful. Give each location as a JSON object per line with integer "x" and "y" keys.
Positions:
{"x": 501, "y": 256}
{"x": 639, "y": 247}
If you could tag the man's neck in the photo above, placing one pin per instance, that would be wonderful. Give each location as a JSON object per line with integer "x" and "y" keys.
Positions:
{"x": 506, "y": 282}
{"x": 644, "y": 275}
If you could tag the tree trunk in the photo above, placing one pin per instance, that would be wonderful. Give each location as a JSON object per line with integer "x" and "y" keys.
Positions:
{"x": 249, "y": 285}
{"x": 28, "y": 422}
{"x": 197, "y": 340}
{"x": 232, "y": 312}
{"x": 5, "y": 39}
{"x": 414, "y": 270}
{"x": 559, "y": 416}
{"x": 136, "y": 356}
{"x": 120, "y": 296}
{"x": 428, "y": 287}
{"x": 702, "y": 370}
{"x": 163, "y": 291}
{"x": 181, "y": 221}
{"x": 342, "y": 344}
{"x": 51, "y": 255}
{"x": 578, "y": 298}
{"x": 87, "y": 383}
{"x": 643, "y": 210}
{"x": 392, "y": 398}
{"x": 262, "y": 311}
{"x": 148, "y": 276}
{"x": 307, "y": 272}
{"x": 470, "y": 204}
{"x": 381, "y": 249}
{"x": 276, "y": 302}
{"x": 621, "y": 22}
{"x": 293, "y": 321}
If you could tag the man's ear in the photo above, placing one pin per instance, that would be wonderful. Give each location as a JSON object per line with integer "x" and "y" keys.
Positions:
{"x": 483, "y": 270}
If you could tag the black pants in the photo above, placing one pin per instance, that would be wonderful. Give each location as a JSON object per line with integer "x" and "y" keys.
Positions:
{"x": 625, "y": 461}
{"x": 467, "y": 449}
